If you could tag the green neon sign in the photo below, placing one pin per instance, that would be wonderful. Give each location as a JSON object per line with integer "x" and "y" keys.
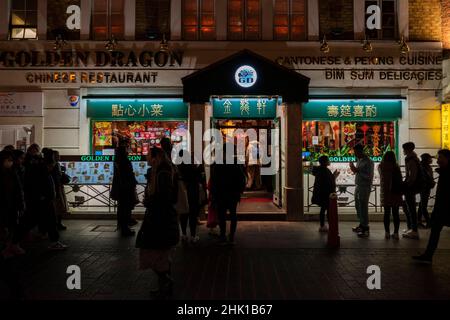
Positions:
{"x": 137, "y": 109}
{"x": 98, "y": 158}
{"x": 244, "y": 108}
{"x": 351, "y": 110}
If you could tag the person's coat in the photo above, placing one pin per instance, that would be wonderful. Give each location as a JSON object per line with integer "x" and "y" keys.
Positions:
{"x": 192, "y": 177}
{"x": 413, "y": 178}
{"x": 160, "y": 229}
{"x": 11, "y": 197}
{"x": 123, "y": 188}
{"x": 227, "y": 183}
{"x": 390, "y": 185}
{"x": 441, "y": 210}
{"x": 324, "y": 185}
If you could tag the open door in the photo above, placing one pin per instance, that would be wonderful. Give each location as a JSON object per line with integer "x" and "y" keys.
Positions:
{"x": 276, "y": 156}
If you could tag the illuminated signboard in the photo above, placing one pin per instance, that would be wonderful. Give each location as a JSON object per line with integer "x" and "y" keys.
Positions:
{"x": 246, "y": 76}
{"x": 137, "y": 109}
{"x": 350, "y": 110}
{"x": 445, "y": 126}
{"x": 235, "y": 108}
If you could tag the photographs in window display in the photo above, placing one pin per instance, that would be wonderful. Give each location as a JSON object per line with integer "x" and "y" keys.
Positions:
{"x": 100, "y": 173}
{"x": 141, "y": 135}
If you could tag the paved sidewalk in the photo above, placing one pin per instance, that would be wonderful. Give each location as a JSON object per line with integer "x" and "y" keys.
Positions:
{"x": 272, "y": 260}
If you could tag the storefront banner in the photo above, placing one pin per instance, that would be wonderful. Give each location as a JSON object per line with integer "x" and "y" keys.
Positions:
{"x": 137, "y": 109}
{"x": 237, "y": 108}
{"x": 446, "y": 126}
{"x": 350, "y": 110}
{"x": 21, "y": 104}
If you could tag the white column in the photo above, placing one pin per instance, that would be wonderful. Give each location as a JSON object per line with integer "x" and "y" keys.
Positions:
{"x": 175, "y": 20}
{"x": 267, "y": 19}
{"x": 42, "y": 20}
{"x": 221, "y": 12}
{"x": 359, "y": 19}
{"x": 4, "y": 19}
{"x": 130, "y": 19}
{"x": 86, "y": 11}
{"x": 313, "y": 20}
{"x": 403, "y": 18}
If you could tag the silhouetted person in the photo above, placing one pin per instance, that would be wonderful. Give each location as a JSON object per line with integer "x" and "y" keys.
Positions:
{"x": 19, "y": 165}
{"x": 391, "y": 192}
{"x": 9, "y": 148}
{"x": 324, "y": 186}
{"x": 48, "y": 202}
{"x": 123, "y": 190}
{"x": 412, "y": 185}
{"x": 60, "y": 201}
{"x": 11, "y": 204}
{"x": 441, "y": 211}
{"x": 191, "y": 175}
{"x": 227, "y": 185}
{"x": 364, "y": 171}
{"x": 159, "y": 233}
{"x": 166, "y": 146}
{"x": 428, "y": 185}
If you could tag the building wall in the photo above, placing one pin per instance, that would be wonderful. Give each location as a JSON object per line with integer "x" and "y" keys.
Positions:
{"x": 336, "y": 14}
{"x": 61, "y": 123}
{"x": 425, "y": 20}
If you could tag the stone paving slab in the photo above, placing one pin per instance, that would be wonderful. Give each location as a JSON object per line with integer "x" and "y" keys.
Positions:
{"x": 271, "y": 261}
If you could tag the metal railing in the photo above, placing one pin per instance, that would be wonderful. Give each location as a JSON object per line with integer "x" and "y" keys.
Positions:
{"x": 347, "y": 189}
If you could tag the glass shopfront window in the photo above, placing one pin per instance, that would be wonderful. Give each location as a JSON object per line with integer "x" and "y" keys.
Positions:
{"x": 334, "y": 127}
{"x": 337, "y": 138}
{"x": 141, "y": 123}
{"x": 139, "y": 135}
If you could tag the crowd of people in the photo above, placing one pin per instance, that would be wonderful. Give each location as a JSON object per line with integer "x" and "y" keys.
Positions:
{"x": 396, "y": 192}
{"x": 175, "y": 195}
{"x": 32, "y": 198}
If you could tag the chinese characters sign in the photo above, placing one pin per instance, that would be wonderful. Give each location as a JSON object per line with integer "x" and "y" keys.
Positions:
{"x": 21, "y": 104}
{"x": 352, "y": 110}
{"x": 139, "y": 109}
{"x": 445, "y": 126}
{"x": 235, "y": 108}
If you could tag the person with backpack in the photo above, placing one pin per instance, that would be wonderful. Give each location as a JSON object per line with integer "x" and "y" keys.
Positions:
{"x": 429, "y": 184}
{"x": 391, "y": 194}
{"x": 412, "y": 186}
{"x": 324, "y": 186}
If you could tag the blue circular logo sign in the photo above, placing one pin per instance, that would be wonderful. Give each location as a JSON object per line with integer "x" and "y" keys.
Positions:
{"x": 246, "y": 76}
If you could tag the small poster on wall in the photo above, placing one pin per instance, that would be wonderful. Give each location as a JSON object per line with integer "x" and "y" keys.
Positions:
{"x": 21, "y": 104}
{"x": 102, "y": 134}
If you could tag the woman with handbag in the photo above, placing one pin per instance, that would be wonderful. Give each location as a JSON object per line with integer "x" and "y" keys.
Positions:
{"x": 159, "y": 233}
{"x": 123, "y": 190}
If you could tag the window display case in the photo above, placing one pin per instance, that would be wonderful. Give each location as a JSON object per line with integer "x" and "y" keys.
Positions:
{"x": 142, "y": 135}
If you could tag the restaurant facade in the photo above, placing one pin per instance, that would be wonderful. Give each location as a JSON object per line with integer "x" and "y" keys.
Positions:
{"x": 81, "y": 98}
